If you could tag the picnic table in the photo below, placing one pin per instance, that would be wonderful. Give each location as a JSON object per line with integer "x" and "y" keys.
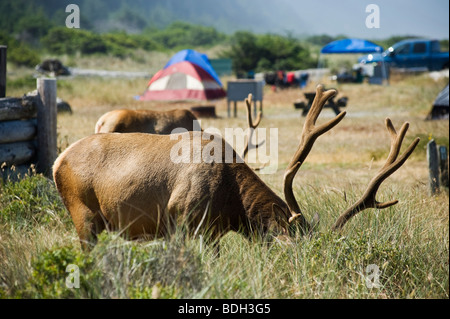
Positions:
{"x": 335, "y": 106}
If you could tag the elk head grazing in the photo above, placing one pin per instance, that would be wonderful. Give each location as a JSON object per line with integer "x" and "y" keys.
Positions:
{"x": 130, "y": 183}
{"x": 146, "y": 121}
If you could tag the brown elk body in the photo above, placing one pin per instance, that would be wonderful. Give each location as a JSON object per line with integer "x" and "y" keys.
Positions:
{"x": 146, "y": 121}
{"x": 130, "y": 183}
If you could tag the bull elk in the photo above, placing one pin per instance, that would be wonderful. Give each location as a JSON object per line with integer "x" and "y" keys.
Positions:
{"x": 128, "y": 183}
{"x": 146, "y": 121}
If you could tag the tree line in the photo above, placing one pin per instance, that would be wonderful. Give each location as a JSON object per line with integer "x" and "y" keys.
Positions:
{"x": 249, "y": 51}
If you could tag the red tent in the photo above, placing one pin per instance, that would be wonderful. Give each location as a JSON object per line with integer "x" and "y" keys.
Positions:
{"x": 183, "y": 81}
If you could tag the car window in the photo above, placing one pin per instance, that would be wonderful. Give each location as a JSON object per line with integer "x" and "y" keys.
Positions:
{"x": 420, "y": 47}
{"x": 435, "y": 46}
{"x": 403, "y": 49}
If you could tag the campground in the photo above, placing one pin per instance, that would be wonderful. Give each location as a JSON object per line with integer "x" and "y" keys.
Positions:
{"x": 407, "y": 242}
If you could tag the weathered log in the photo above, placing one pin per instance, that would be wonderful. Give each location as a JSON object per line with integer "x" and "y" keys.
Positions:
{"x": 17, "y": 131}
{"x": 16, "y": 153}
{"x": 12, "y": 108}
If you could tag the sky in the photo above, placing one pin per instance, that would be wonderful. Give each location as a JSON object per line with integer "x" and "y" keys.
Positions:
{"x": 428, "y": 18}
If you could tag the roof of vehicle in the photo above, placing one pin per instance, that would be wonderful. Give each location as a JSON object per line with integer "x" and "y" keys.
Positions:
{"x": 412, "y": 41}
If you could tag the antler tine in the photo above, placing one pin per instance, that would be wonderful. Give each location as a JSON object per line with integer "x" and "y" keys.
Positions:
{"x": 368, "y": 199}
{"x": 396, "y": 140}
{"x": 248, "y": 102}
{"x": 251, "y": 125}
{"x": 310, "y": 133}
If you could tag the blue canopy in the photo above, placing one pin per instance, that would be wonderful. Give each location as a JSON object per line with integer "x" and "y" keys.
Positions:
{"x": 351, "y": 46}
{"x": 194, "y": 57}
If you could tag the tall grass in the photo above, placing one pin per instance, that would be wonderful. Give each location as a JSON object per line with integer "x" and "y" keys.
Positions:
{"x": 408, "y": 243}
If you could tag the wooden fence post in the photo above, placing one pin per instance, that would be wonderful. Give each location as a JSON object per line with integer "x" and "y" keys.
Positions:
{"x": 3, "y": 70}
{"x": 433, "y": 166}
{"x": 443, "y": 163}
{"x": 46, "y": 125}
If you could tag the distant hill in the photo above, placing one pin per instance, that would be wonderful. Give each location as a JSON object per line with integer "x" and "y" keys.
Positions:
{"x": 132, "y": 16}
{"x": 296, "y": 17}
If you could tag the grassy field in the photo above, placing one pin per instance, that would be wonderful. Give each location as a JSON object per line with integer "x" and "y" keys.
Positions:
{"x": 408, "y": 243}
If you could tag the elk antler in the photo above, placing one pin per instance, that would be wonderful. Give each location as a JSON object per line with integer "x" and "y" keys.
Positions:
{"x": 392, "y": 164}
{"x": 309, "y": 134}
{"x": 251, "y": 125}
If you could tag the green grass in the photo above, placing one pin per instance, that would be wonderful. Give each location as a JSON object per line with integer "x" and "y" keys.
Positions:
{"x": 409, "y": 243}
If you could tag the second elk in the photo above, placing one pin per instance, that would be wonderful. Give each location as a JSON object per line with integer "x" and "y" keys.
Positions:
{"x": 146, "y": 121}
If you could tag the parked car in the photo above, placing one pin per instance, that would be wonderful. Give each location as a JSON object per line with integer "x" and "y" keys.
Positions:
{"x": 412, "y": 53}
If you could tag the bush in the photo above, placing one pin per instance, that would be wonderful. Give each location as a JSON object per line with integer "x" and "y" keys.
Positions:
{"x": 19, "y": 53}
{"x": 117, "y": 268}
{"x": 268, "y": 52}
{"x": 50, "y": 273}
{"x": 121, "y": 44}
{"x": 61, "y": 40}
{"x": 31, "y": 200}
{"x": 182, "y": 34}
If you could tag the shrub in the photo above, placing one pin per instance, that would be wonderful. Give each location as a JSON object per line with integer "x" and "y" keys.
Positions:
{"x": 49, "y": 275}
{"x": 19, "y": 53}
{"x": 267, "y": 52}
{"x": 117, "y": 268}
{"x": 182, "y": 34}
{"x": 33, "y": 199}
{"x": 61, "y": 40}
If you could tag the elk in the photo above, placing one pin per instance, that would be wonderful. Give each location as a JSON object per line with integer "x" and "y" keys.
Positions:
{"x": 146, "y": 121}
{"x": 128, "y": 183}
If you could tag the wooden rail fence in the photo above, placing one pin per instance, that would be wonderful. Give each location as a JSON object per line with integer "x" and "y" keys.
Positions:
{"x": 28, "y": 131}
